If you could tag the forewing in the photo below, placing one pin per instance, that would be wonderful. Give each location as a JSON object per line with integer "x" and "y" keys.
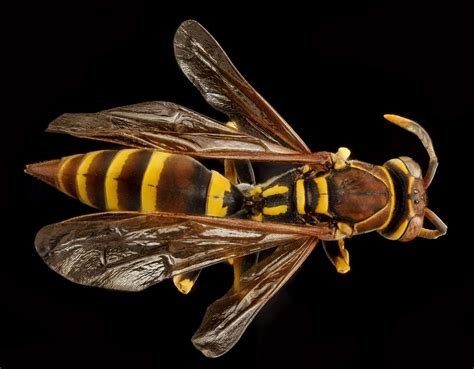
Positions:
{"x": 131, "y": 251}
{"x": 226, "y": 319}
{"x": 164, "y": 126}
{"x": 208, "y": 67}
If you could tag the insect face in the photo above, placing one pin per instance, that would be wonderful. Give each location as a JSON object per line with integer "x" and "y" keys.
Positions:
{"x": 410, "y": 199}
{"x": 410, "y": 190}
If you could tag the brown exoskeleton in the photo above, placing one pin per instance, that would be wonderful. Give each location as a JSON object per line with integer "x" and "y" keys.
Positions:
{"x": 167, "y": 216}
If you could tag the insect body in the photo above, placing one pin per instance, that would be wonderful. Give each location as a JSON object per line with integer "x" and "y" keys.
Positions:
{"x": 167, "y": 216}
{"x": 143, "y": 180}
{"x": 359, "y": 196}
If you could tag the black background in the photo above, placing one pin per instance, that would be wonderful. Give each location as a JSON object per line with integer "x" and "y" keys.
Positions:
{"x": 331, "y": 71}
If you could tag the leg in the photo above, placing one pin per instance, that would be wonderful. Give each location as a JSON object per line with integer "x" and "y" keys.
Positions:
{"x": 237, "y": 171}
{"x": 241, "y": 171}
{"x": 340, "y": 158}
{"x": 185, "y": 282}
{"x": 338, "y": 255}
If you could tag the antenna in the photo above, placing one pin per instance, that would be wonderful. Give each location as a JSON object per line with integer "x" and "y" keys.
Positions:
{"x": 425, "y": 139}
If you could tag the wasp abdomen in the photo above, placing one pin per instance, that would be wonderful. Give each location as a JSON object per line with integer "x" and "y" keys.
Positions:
{"x": 142, "y": 180}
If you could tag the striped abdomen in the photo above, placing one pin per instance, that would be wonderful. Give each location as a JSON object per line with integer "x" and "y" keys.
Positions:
{"x": 142, "y": 180}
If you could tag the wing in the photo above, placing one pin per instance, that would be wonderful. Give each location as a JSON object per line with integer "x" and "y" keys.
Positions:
{"x": 165, "y": 126}
{"x": 132, "y": 251}
{"x": 226, "y": 319}
{"x": 208, "y": 67}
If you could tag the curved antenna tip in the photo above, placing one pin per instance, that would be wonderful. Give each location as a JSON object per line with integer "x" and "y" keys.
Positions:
{"x": 421, "y": 133}
{"x": 398, "y": 120}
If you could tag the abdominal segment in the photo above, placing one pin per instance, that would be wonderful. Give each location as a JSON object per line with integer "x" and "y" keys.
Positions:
{"x": 141, "y": 180}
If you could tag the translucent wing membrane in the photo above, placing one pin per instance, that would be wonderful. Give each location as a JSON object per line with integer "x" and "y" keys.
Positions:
{"x": 132, "y": 251}
{"x": 208, "y": 67}
{"x": 226, "y": 319}
{"x": 164, "y": 126}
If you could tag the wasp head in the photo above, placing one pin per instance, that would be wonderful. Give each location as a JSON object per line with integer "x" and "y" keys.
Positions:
{"x": 410, "y": 191}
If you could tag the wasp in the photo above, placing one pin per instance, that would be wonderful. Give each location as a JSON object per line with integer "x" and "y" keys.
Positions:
{"x": 167, "y": 216}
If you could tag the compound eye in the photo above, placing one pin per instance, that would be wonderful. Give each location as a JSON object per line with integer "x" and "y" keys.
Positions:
{"x": 413, "y": 229}
{"x": 412, "y": 166}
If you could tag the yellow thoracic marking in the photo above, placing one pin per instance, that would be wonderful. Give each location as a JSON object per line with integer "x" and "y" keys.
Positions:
{"x": 322, "y": 207}
{"x": 275, "y": 210}
{"x": 81, "y": 177}
{"x": 258, "y": 217}
{"x": 300, "y": 196}
{"x": 411, "y": 180}
{"x": 275, "y": 190}
{"x": 255, "y": 191}
{"x": 399, "y": 231}
{"x": 113, "y": 173}
{"x": 215, "y": 195}
{"x": 151, "y": 179}
{"x": 391, "y": 189}
{"x": 59, "y": 178}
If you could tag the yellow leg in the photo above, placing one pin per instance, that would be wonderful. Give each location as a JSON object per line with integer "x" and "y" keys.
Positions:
{"x": 185, "y": 282}
{"x": 338, "y": 255}
{"x": 237, "y": 264}
{"x": 344, "y": 230}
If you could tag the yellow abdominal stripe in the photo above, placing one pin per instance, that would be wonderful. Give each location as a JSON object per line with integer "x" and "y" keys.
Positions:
{"x": 81, "y": 177}
{"x": 113, "y": 173}
{"x": 59, "y": 176}
{"x": 218, "y": 186}
{"x": 151, "y": 179}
